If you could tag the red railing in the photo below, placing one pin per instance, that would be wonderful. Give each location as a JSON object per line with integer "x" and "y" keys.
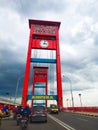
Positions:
{"x": 82, "y": 109}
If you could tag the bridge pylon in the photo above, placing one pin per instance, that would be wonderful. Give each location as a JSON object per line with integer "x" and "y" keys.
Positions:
{"x": 44, "y": 35}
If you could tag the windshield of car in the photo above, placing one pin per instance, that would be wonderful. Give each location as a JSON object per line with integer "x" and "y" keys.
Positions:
{"x": 38, "y": 108}
{"x": 53, "y": 106}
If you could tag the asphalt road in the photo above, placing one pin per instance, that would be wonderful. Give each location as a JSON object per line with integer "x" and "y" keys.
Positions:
{"x": 79, "y": 122}
{"x": 62, "y": 121}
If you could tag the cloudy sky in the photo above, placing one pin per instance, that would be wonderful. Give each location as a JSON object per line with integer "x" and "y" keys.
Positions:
{"x": 78, "y": 45}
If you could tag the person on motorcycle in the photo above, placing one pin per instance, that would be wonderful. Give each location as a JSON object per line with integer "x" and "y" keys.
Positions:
{"x": 19, "y": 110}
{"x": 1, "y": 114}
{"x": 19, "y": 114}
{"x": 25, "y": 117}
{"x": 26, "y": 111}
{"x": 15, "y": 111}
{"x": 5, "y": 110}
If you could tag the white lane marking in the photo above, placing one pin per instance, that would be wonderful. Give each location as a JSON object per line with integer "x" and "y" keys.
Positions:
{"x": 82, "y": 119}
{"x": 62, "y": 123}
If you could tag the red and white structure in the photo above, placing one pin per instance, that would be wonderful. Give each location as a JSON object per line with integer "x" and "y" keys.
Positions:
{"x": 44, "y": 35}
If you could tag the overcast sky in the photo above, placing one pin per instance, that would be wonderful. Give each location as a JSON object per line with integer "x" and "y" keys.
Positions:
{"x": 78, "y": 44}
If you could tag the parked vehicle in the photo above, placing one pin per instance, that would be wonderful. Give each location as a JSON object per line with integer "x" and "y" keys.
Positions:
{"x": 38, "y": 114}
{"x": 53, "y": 109}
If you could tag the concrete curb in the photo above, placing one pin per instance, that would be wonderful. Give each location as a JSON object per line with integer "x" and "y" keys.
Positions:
{"x": 84, "y": 113}
{"x": 88, "y": 114}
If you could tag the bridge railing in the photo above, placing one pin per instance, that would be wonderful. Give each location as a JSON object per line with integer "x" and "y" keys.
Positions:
{"x": 82, "y": 109}
{"x": 7, "y": 102}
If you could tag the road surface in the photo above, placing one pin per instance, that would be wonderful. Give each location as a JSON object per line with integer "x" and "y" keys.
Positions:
{"x": 61, "y": 121}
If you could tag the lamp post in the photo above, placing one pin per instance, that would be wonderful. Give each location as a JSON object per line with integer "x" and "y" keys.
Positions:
{"x": 80, "y": 99}
{"x": 67, "y": 102}
{"x": 7, "y": 95}
{"x": 17, "y": 88}
{"x": 70, "y": 90}
{"x": 10, "y": 99}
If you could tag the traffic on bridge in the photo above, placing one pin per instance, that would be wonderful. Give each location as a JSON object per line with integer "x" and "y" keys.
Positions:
{"x": 62, "y": 121}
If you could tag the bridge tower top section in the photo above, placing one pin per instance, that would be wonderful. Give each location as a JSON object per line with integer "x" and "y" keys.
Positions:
{"x": 42, "y": 22}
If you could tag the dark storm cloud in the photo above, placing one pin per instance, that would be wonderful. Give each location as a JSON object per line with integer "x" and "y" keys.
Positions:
{"x": 73, "y": 65}
{"x": 9, "y": 74}
{"x": 10, "y": 67}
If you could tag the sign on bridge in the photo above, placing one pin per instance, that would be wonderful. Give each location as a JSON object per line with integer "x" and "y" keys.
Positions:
{"x": 42, "y": 97}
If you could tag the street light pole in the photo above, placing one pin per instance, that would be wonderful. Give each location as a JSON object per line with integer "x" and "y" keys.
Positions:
{"x": 67, "y": 102}
{"x": 70, "y": 90}
{"x": 80, "y": 99}
{"x": 17, "y": 88}
{"x": 7, "y": 95}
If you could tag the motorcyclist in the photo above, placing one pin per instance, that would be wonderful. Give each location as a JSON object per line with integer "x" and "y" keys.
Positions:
{"x": 26, "y": 111}
{"x": 1, "y": 114}
{"x": 25, "y": 117}
{"x": 19, "y": 110}
{"x": 19, "y": 114}
{"x": 15, "y": 110}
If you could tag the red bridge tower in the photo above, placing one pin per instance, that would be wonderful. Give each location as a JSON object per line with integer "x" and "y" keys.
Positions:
{"x": 43, "y": 35}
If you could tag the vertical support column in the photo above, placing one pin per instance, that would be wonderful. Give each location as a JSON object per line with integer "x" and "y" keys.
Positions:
{"x": 33, "y": 86}
{"x": 58, "y": 69}
{"x": 46, "y": 87}
{"x": 27, "y": 73}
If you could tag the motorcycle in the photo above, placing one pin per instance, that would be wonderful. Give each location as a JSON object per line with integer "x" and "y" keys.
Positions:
{"x": 24, "y": 122}
{"x": 18, "y": 118}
